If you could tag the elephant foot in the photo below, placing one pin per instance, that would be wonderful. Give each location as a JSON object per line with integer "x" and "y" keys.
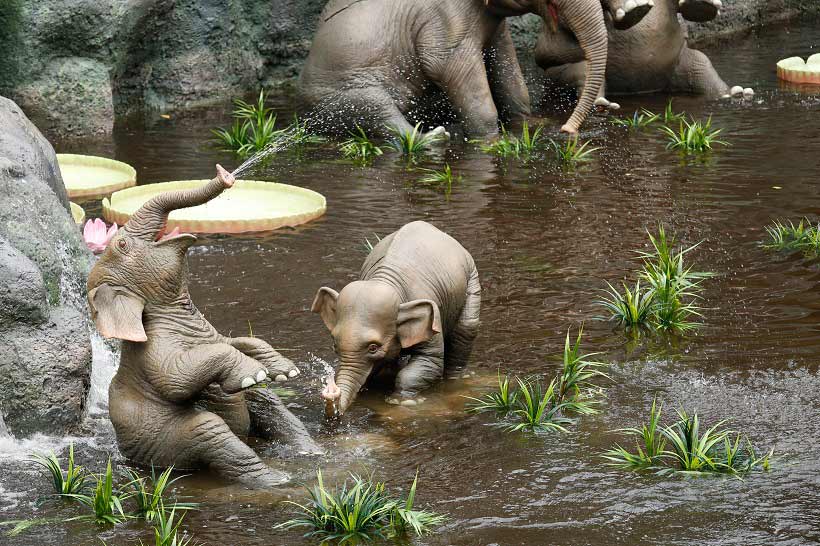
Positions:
{"x": 404, "y": 400}
{"x": 604, "y": 105}
{"x": 630, "y": 13}
{"x": 439, "y": 134}
{"x": 699, "y": 11}
{"x": 272, "y": 478}
{"x": 249, "y": 381}
{"x": 740, "y": 92}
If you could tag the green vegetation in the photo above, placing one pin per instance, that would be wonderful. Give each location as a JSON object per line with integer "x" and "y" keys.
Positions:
{"x": 509, "y": 145}
{"x": 105, "y": 502}
{"x": 670, "y": 116}
{"x": 639, "y": 120}
{"x": 166, "y": 532}
{"x": 368, "y": 246}
{"x": 443, "y": 178}
{"x": 254, "y": 129}
{"x": 693, "y": 136}
{"x": 360, "y": 511}
{"x": 411, "y": 144}
{"x": 803, "y": 237}
{"x": 535, "y": 408}
{"x": 359, "y": 147}
{"x": 693, "y": 451}
{"x": 570, "y": 152}
{"x": 668, "y": 302}
{"x": 149, "y": 494}
{"x": 71, "y": 481}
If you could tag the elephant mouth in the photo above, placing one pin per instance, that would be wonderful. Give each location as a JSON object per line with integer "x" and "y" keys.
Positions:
{"x": 173, "y": 234}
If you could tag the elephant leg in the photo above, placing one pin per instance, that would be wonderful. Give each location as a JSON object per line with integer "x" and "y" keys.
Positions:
{"x": 574, "y": 75}
{"x": 215, "y": 446}
{"x": 694, "y": 73}
{"x": 279, "y": 367}
{"x": 371, "y": 108}
{"x": 270, "y": 419}
{"x": 231, "y": 408}
{"x": 699, "y": 11}
{"x": 512, "y": 98}
{"x": 464, "y": 80}
{"x": 425, "y": 367}
{"x": 557, "y": 49}
{"x": 459, "y": 343}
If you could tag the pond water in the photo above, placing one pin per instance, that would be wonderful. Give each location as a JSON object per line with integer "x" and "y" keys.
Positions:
{"x": 545, "y": 241}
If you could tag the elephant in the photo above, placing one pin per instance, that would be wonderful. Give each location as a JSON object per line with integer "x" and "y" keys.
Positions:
{"x": 373, "y": 62}
{"x": 182, "y": 393}
{"x": 418, "y": 295}
{"x": 652, "y": 56}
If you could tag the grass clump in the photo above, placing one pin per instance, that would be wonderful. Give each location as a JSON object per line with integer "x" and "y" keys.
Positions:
{"x": 570, "y": 153}
{"x": 443, "y": 178}
{"x": 149, "y": 494}
{"x": 413, "y": 143}
{"x": 360, "y": 511}
{"x": 68, "y": 482}
{"x": 167, "y": 529}
{"x": 668, "y": 301}
{"x": 803, "y": 237}
{"x": 509, "y": 145}
{"x": 693, "y": 136}
{"x": 692, "y": 450}
{"x": 104, "y": 500}
{"x": 359, "y": 147}
{"x": 535, "y": 408}
{"x": 253, "y": 129}
{"x": 639, "y": 120}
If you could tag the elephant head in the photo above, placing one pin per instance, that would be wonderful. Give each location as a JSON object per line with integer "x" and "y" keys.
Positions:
{"x": 370, "y": 326}
{"x": 143, "y": 267}
{"x": 585, "y": 18}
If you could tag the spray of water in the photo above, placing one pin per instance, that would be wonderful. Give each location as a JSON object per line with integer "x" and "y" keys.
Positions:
{"x": 104, "y": 364}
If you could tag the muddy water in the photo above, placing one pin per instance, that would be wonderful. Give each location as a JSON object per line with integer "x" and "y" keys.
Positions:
{"x": 545, "y": 240}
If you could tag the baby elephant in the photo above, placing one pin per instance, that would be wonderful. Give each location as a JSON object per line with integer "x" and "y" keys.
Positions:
{"x": 181, "y": 394}
{"x": 418, "y": 294}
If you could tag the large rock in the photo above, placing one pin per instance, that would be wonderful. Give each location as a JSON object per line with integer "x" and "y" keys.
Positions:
{"x": 45, "y": 351}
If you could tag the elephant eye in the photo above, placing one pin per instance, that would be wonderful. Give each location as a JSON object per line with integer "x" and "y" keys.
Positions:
{"x": 373, "y": 348}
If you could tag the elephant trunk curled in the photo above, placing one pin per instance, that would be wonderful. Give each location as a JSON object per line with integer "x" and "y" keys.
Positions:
{"x": 149, "y": 221}
{"x": 586, "y": 20}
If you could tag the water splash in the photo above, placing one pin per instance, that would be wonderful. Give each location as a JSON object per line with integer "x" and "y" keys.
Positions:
{"x": 289, "y": 137}
{"x": 104, "y": 364}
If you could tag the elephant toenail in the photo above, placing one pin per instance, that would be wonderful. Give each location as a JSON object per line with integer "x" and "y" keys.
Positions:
{"x": 619, "y": 14}
{"x": 393, "y": 401}
{"x": 630, "y": 5}
{"x": 410, "y": 402}
{"x": 248, "y": 382}
{"x": 736, "y": 90}
{"x": 281, "y": 377}
{"x": 260, "y": 376}
{"x": 293, "y": 373}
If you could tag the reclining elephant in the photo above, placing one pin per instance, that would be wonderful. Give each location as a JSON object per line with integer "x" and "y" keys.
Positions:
{"x": 652, "y": 56}
{"x": 419, "y": 295}
{"x": 181, "y": 394}
{"x": 372, "y": 62}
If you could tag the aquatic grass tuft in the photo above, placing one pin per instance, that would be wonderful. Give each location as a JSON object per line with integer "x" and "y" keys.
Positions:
{"x": 571, "y": 152}
{"x": 359, "y": 147}
{"x": 693, "y": 450}
{"x": 411, "y": 143}
{"x": 253, "y": 129}
{"x": 104, "y": 500}
{"x": 639, "y": 120}
{"x": 670, "y": 116}
{"x": 535, "y": 408}
{"x": 68, "y": 482}
{"x": 359, "y": 511}
{"x": 501, "y": 401}
{"x": 509, "y": 145}
{"x": 803, "y": 237}
{"x": 167, "y": 529}
{"x": 693, "y": 136}
{"x": 443, "y": 178}
{"x": 668, "y": 302}
{"x": 149, "y": 494}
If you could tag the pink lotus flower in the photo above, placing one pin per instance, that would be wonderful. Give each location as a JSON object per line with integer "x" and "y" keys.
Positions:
{"x": 96, "y": 236}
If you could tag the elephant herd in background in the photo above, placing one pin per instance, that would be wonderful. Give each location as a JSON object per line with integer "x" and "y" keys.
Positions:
{"x": 374, "y": 63}
{"x": 185, "y": 395}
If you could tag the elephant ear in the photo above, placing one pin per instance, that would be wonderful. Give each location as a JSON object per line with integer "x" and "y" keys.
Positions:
{"x": 117, "y": 313}
{"x": 418, "y": 321}
{"x": 325, "y": 304}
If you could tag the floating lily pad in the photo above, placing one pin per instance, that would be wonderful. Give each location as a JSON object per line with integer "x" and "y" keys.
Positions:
{"x": 88, "y": 176}
{"x": 77, "y": 212}
{"x": 249, "y": 205}
{"x": 796, "y": 70}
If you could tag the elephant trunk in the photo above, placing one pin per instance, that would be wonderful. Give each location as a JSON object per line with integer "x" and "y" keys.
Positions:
{"x": 350, "y": 378}
{"x": 585, "y": 19}
{"x": 149, "y": 221}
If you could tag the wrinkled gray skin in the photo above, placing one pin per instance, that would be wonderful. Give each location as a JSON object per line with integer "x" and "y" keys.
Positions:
{"x": 650, "y": 57}
{"x": 372, "y": 60}
{"x": 418, "y": 295}
{"x": 180, "y": 396}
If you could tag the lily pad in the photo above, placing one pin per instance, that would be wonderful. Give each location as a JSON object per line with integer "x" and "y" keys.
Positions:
{"x": 87, "y": 176}
{"x": 77, "y": 212}
{"x": 795, "y": 70}
{"x": 250, "y": 205}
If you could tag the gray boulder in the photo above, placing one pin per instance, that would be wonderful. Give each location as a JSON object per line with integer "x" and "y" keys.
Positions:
{"x": 45, "y": 351}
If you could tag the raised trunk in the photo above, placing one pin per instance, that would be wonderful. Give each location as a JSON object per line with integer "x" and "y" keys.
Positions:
{"x": 585, "y": 19}
{"x": 350, "y": 378}
{"x": 150, "y": 219}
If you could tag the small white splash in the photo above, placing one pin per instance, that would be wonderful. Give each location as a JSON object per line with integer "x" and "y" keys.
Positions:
{"x": 104, "y": 364}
